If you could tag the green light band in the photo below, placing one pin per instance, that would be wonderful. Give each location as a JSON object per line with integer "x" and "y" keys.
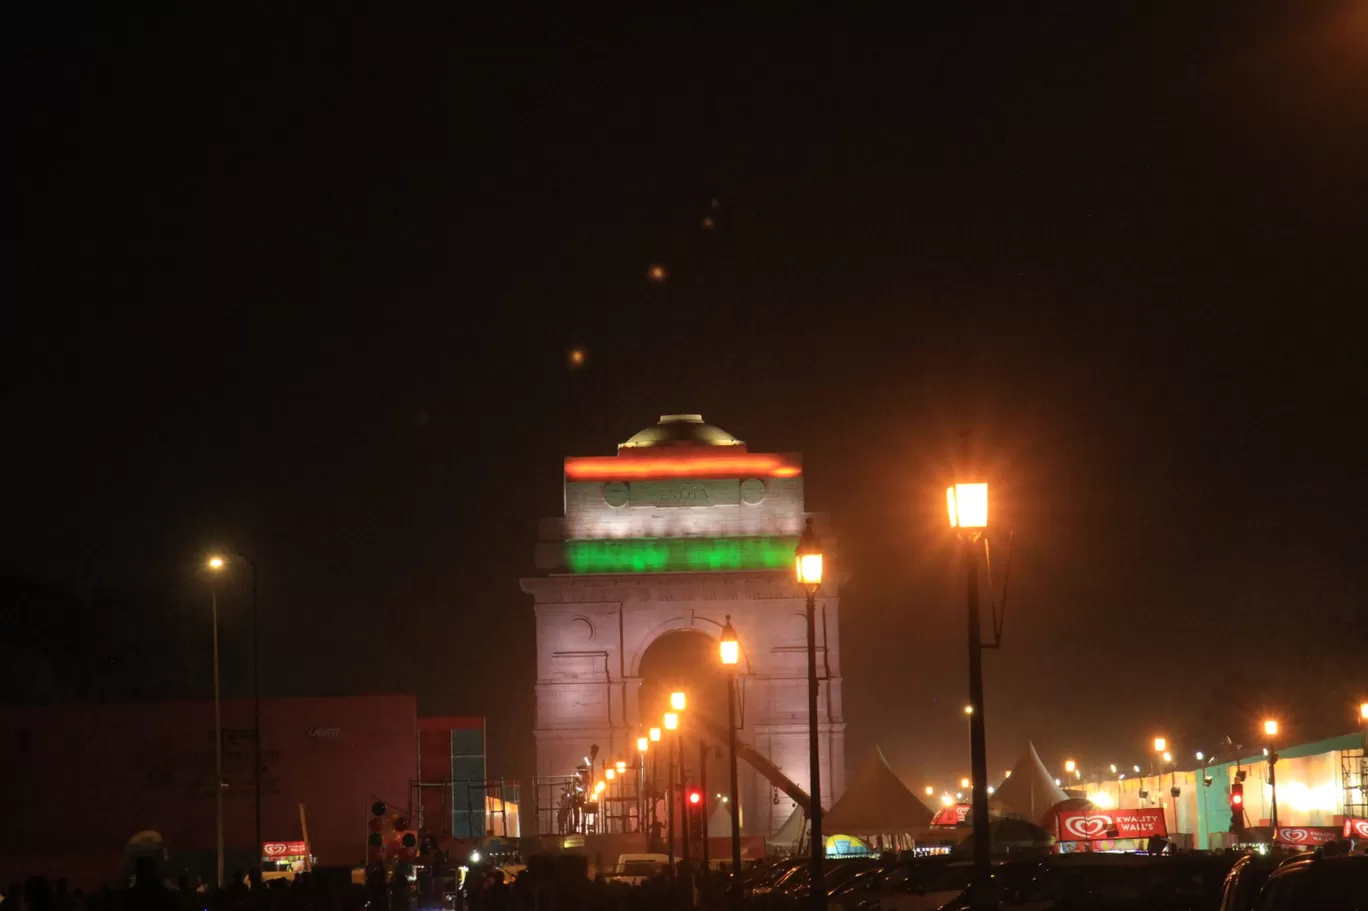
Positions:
{"x": 680, "y": 555}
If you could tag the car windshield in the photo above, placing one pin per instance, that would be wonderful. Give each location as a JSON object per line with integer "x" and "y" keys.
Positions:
{"x": 1339, "y": 887}
{"x": 638, "y": 867}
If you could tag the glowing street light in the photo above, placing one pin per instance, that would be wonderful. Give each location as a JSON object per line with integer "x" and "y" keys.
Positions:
{"x": 1363, "y": 712}
{"x": 1168, "y": 757}
{"x": 729, "y": 651}
{"x": 610, "y": 773}
{"x": 1271, "y": 728}
{"x": 1070, "y": 766}
{"x": 598, "y": 787}
{"x": 968, "y": 710}
{"x": 677, "y": 700}
{"x": 930, "y": 790}
{"x": 728, "y": 647}
{"x": 1160, "y": 744}
{"x": 1113, "y": 768}
{"x": 643, "y": 744}
{"x": 671, "y": 721}
{"x": 964, "y": 782}
{"x": 653, "y": 735}
{"x": 621, "y": 766}
{"x": 1200, "y": 756}
{"x": 807, "y": 564}
{"x": 968, "y": 506}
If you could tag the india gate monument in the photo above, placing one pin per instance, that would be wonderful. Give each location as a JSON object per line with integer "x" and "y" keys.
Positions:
{"x": 663, "y": 541}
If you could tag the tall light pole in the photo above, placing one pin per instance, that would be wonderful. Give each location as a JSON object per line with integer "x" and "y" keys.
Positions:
{"x": 653, "y": 735}
{"x": 671, "y": 723}
{"x": 643, "y": 744}
{"x": 215, "y": 564}
{"x": 968, "y": 509}
{"x": 1271, "y": 732}
{"x": 677, "y": 702}
{"x": 222, "y": 562}
{"x": 729, "y": 649}
{"x": 808, "y": 563}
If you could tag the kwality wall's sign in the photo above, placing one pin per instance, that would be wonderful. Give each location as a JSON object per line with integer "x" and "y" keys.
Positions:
{"x": 951, "y": 816}
{"x": 1084, "y": 825}
{"x": 1306, "y": 836}
{"x": 285, "y": 849}
{"x": 1356, "y": 828}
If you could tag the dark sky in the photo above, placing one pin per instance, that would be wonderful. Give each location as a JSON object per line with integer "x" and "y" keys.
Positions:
{"x": 307, "y": 285}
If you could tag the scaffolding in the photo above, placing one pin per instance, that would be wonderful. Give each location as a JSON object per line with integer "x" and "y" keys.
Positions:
{"x": 1354, "y": 774}
{"x": 468, "y": 809}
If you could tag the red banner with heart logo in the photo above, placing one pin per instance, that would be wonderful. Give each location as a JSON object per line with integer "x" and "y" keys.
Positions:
{"x": 285, "y": 849}
{"x": 951, "y": 816}
{"x": 1084, "y": 825}
{"x": 1306, "y": 835}
{"x": 1356, "y": 828}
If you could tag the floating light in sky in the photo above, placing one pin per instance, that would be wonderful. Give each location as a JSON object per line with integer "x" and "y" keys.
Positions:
{"x": 656, "y": 273}
{"x": 576, "y": 357}
{"x": 708, "y": 222}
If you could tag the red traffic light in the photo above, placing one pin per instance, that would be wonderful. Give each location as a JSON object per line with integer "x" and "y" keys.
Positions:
{"x": 695, "y": 798}
{"x": 1237, "y": 794}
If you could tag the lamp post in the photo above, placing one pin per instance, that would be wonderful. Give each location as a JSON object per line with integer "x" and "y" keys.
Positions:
{"x": 729, "y": 650}
{"x": 1271, "y": 732}
{"x": 216, "y": 565}
{"x": 808, "y": 563}
{"x": 643, "y": 744}
{"x": 671, "y": 723}
{"x": 968, "y": 509}
{"x": 677, "y": 702}
{"x": 653, "y": 735}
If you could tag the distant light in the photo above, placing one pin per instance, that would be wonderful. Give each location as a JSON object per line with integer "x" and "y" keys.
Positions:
{"x": 1078, "y": 773}
{"x": 1363, "y": 711}
{"x": 656, "y": 273}
{"x": 643, "y": 744}
{"x": 1070, "y": 765}
{"x": 725, "y": 798}
{"x": 968, "y": 710}
{"x": 216, "y": 563}
{"x": 610, "y": 773}
{"x": 1160, "y": 744}
{"x": 1168, "y": 757}
{"x": 677, "y": 700}
{"x": 671, "y": 721}
{"x": 1200, "y": 756}
{"x": 1271, "y": 728}
{"x": 1121, "y": 777}
{"x": 708, "y": 222}
{"x": 1009, "y": 774}
{"x": 576, "y": 357}
{"x": 1265, "y": 749}
{"x": 474, "y": 857}
{"x": 621, "y": 766}
{"x": 1101, "y": 799}
{"x": 930, "y": 790}
{"x": 964, "y": 782}
{"x": 1137, "y": 769}
{"x": 654, "y": 734}
{"x": 959, "y": 795}
{"x": 991, "y": 790}
{"x": 1113, "y": 768}
{"x": 1058, "y": 782}
{"x": 947, "y": 799}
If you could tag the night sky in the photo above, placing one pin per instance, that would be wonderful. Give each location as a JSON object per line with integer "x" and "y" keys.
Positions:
{"x": 307, "y": 286}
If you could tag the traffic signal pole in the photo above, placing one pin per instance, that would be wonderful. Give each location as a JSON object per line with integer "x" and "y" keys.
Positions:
{"x": 703, "y": 805}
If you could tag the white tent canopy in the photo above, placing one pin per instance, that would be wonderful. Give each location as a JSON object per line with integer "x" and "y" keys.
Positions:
{"x": 1029, "y": 792}
{"x": 877, "y": 803}
{"x": 791, "y": 834}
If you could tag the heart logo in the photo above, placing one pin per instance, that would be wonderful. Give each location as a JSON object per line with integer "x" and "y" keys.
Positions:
{"x": 1087, "y": 827}
{"x": 1296, "y": 836}
{"x": 275, "y": 850}
{"x": 1359, "y": 827}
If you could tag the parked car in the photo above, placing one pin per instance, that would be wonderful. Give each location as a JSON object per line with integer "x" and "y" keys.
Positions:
{"x": 1243, "y": 882}
{"x": 1315, "y": 883}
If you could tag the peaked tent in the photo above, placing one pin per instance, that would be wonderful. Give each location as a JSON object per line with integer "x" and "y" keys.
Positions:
{"x": 792, "y": 833}
{"x": 878, "y": 803}
{"x": 719, "y": 824}
{"x": 1029, "y": 792}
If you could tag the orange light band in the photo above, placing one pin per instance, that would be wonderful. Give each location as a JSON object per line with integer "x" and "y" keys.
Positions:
{"x": 722, "y": 465}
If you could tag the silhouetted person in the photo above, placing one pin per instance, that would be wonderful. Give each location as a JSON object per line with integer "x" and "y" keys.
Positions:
{"x": 148, "y": 892}
{"x": 38, "y": 893}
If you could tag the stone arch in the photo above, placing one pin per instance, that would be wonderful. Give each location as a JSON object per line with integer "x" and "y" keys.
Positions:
{"x": 677, "y": 625}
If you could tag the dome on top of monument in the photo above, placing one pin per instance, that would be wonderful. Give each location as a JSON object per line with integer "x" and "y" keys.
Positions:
{"x": 682, "y": 430}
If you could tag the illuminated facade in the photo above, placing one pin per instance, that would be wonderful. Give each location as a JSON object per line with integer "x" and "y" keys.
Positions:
{"x": 681, "y": 529}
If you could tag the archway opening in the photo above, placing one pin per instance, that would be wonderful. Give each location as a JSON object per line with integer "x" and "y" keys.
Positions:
{"x": 687, "y": 661}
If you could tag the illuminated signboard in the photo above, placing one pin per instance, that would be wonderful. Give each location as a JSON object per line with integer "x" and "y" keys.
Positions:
{"x": 694, "y": 466}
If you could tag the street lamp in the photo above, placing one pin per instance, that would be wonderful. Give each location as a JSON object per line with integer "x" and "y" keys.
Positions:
{"x": 1070, "y": 766}
{"x": 1270, "y": 727}
{"x": 808, "y": 566}
{"x": 677, "y": 701}
{"x": 216, "y": 565}
{"x": 964, "y": 782}
{"x": 1160, "y": 744}
{"x": 643, "y": 745}
{"x": 1363, "y": 712}
{"x": 967, "y": 505}
{"x": 930, "y": 790}
{"x": 729, "y": 652}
